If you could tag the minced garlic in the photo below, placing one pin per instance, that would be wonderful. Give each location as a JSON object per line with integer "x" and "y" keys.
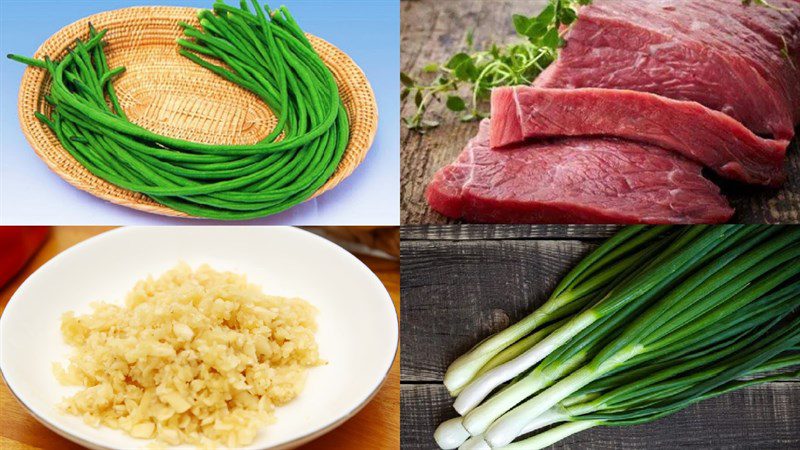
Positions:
{"x": 199, "y": 357}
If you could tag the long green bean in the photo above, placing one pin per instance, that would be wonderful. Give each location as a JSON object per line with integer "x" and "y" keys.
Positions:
{"x": 265, "y": 52}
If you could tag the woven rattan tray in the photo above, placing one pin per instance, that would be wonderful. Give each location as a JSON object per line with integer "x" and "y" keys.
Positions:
{"x": 168, "y": 94}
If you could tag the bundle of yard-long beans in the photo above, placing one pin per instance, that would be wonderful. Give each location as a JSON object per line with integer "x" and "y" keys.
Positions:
{"x": 262, "y": 51}
{"x": 652, "y": 321}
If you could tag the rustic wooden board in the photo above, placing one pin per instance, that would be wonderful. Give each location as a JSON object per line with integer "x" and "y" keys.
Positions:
{"x": 377, "y": 426}
{"x": 463, "y": 283}
{"x": 434, "y": 30}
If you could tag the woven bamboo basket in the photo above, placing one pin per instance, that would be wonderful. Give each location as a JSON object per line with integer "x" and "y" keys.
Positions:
{"x": 168, "y": 94}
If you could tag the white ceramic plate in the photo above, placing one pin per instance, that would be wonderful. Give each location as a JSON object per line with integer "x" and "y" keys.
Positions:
{"x": 357, "y": 334}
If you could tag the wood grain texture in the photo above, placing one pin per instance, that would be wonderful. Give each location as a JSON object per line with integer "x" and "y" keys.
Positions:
{"x": 458, "y": 289}
{"x": 502, "y": 232}
{"x": 377, "y": 426}
{"x": 434, "y": 30}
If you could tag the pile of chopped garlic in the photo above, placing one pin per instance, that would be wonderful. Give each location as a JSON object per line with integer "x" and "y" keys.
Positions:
{"x": 199, "y": 357}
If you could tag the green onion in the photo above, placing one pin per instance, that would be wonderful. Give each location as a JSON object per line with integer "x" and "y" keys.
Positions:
{"x": 699, "y": 386}
{"x": 689, "y": 311}
{"x": 571, "y": 294}
{"x": 671, "y": 264}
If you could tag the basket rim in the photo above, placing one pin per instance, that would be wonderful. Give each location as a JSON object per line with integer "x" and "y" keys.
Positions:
{"x": 34, "y": 80}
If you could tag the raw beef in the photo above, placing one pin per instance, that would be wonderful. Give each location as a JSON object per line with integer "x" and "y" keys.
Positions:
{"x": 731, "y": 28}
{"x": 698, "y": 133}
{"x": 710, "y": 52}
{"x": 583, "y": 180}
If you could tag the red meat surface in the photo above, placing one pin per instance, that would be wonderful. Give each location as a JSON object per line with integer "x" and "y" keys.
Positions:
{"x": 575, "y": 180}
{"x": 696, "y": 132}
{"x": 715, "y": 52}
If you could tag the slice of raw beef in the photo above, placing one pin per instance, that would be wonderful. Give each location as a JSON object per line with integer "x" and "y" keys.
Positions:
{"x": 668, "y": 47}
{"x": 575, "y": 180}
{"x": 730, "y": 28}
{"x": 696, "y": 132}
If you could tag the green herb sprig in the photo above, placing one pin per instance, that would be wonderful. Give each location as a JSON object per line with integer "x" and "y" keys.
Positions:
{"x": 493, "y": 66}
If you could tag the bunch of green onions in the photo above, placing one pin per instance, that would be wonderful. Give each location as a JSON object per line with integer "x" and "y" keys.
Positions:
{"x": 654, "y": 320}
{"x": 264, "y": 52}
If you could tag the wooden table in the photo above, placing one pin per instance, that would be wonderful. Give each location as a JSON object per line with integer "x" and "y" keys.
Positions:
{"x": 434, "y": 30}
{"x": 461, "y": 284}
{"x": 377, "y": 426}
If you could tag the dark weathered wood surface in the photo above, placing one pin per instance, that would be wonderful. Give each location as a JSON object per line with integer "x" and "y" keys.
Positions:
{"x": 463, "y": 283}
{"x": 434, "y": 30}
{"x": 461, "y": 233}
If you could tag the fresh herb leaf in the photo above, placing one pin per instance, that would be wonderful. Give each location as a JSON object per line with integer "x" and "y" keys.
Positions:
{"x": 522, "y": 24}
{"x": 455, "y": 103}
{"x": 551, "y": 38}
{"x": 406, "y": 80}
{"x": 548, "y": 14}
{"x": 457, "y": 60}
{"x": 568, "y": 16}
{"x": 466, "y": 71}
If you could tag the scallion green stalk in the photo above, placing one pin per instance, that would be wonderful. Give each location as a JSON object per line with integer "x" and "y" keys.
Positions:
{"x": 573, "y": 291}
{"x": 698, "y": 303}
{"x": 677, "y": 259}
